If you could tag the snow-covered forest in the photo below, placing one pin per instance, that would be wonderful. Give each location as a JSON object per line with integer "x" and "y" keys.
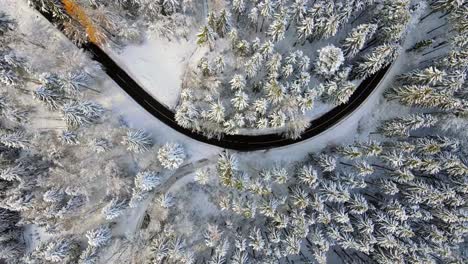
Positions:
{"x": 88, "y": 175}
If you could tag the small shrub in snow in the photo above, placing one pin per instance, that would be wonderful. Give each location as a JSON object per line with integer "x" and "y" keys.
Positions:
{"x": 171, "y": 156}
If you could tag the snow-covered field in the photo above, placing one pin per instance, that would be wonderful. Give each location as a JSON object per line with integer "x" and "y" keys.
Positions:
{"x": 157, "y": 65}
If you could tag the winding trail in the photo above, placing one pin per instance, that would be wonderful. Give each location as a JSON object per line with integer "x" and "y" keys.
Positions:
{"x": 234, "y": 142}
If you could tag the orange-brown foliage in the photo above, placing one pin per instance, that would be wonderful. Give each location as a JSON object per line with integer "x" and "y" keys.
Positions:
{"x": 78, "y": 13}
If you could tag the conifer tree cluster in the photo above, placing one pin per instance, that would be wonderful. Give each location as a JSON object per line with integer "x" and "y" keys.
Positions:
{"x": 274, "y": 66}
{"x": 80, "y": 184}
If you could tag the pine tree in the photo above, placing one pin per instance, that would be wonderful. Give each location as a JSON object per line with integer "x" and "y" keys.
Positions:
{"x": 11, "y": 251}
{"x": 296, "y": 127}
{"x": 166, "y": 200}
{"x": 89, "y": 256}
{"x": 237, "y": 82}
{"x": 14, "y": 140}
{"x": 402, "y": 126}
{"x": 147, "y": 180}
{"x": 73, "y": 205}
{"x": 206, "y": 36}
{"x": 334, "y": 192}
{"x": 342, "y": 95}
{"x": 240, "y": 100}
{"x": 277, "y": 28}
{"x": 227, "y": 167}
{"x": 328, "y": 26}
{"x": 14, "y": 173}
{"x": 424, "y": 96}
{"x": 212, "y": 236}
{"x": 219, "y": 64}
{"x": 298, "y": 10}
{"x": 9, "y": 77}
{"x": 53, "y": 7}
{"x": 171, "y": 156}
{"x": 78, "y": 114}
{"x": 257, "y": 241}
{"x": 356, "y": 39}
{"x": 305, "y": 29}
{"x": 238, "y": 6}
{"x": 54, "y": 195}
{"x": 58, "y": 251}
{"x": 326, "y": 162}
{"x": 223, "y": 23}
{"x": 357, "y": 204}
{"x": 308, "y": 175}
{"x": 427, "y": 76}
{"x": 277, "y": 119}
{"x": 378, "y": 58}
{"x": 329, "y": 60}
{"x": 266, "y": 11}
{"x": 242, "y": 48}
{"x": 114, "y": 208}
{"x": 253, "y": 16}
{"x": 74, "y": 82}
{"x": 69, "y": 137}
{"x": 50, "y": 97}
{"x": 137, "y": 141}
{"x": 447, "y": 6}
{"x": 202, "y": 176}
{"x": 216, "y": 112}
{"x": 170, "y": 6}
{"x": 276, "y": 92}
{"x": 392, "y": 33}
{"x": 99, "y": 237}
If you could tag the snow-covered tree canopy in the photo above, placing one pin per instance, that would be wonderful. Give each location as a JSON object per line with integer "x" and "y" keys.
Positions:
{"x": 280, "y": 53}
{"x": 82, "y": 182}
{"x": 171, "y": 156}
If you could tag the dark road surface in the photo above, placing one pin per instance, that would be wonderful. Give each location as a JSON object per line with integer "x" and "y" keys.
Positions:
{"x": 235, "y": 142}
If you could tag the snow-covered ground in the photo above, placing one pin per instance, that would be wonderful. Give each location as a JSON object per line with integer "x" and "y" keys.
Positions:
{"x": 157, "y": 65}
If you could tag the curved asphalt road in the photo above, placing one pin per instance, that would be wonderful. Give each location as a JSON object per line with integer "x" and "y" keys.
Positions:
{"x": 235, "y": 142}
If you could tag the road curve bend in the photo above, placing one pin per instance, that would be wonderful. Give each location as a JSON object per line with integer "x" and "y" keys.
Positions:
{"x": 234, "y": 142}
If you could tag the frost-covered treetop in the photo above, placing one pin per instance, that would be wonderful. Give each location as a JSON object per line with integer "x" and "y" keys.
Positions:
{"x": 171, "y": 155}
{"x": 147, "y": 180}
